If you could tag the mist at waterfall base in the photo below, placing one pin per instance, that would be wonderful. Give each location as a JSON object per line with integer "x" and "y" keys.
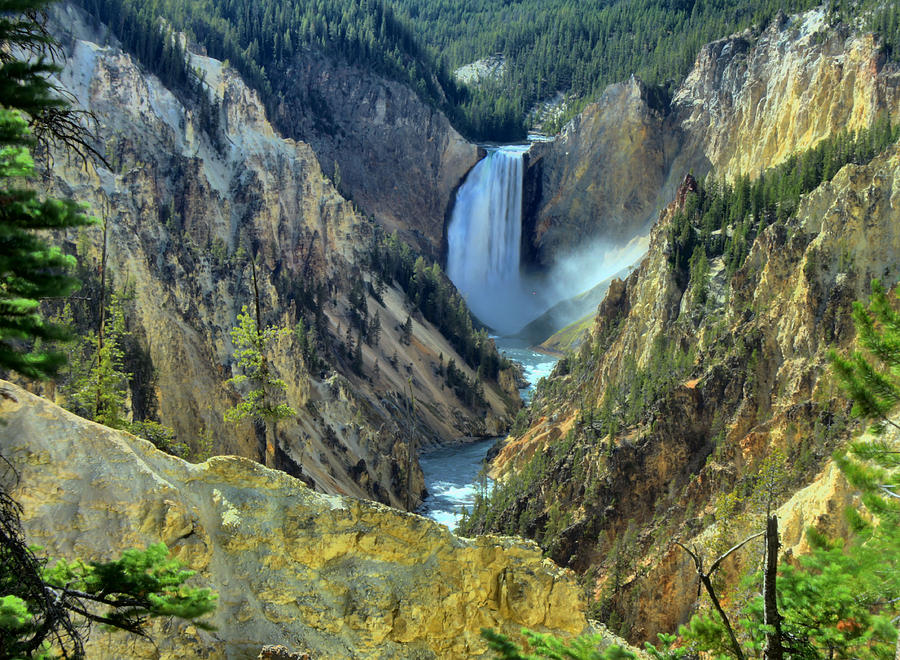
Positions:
{"x": 483, "y": 261}
{"x": 484, "y": 250}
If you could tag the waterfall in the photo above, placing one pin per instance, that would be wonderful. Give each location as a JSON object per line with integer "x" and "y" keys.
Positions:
{"x": 483, "y": 242}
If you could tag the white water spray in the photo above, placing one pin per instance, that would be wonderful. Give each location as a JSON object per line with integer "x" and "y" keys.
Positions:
{"x": 483, "y": 242}
{"x": 483, "y": 252}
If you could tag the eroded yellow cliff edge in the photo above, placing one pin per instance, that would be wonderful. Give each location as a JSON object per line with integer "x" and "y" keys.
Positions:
{"x": 341, "y": 577}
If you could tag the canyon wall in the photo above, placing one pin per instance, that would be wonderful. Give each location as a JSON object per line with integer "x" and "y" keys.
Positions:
{"x": 396, "y": 158}
{"x": 600, "y": 179}
{"x": 750, "y": 102}
{"x": 755, "y": 381}
{"x": 186, "y": 208}
{"x": 753, "y": 100}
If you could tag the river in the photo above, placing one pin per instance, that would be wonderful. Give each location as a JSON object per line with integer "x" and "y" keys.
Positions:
{"x": 451, "y": 472}
{"x": 484, "y": 261}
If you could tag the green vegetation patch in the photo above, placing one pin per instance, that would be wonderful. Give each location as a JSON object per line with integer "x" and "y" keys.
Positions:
{"x": 722, "y": 219}
{"x": 571, "y": 336}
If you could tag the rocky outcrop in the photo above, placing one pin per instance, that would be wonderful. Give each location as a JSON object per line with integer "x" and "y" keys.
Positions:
{"x": 186, "y": 207}
{"x": 753, "y": 100}
{"x": 395, "y": 157}
{"x": 750, "y": 102}
{"x": 335, "y": 576}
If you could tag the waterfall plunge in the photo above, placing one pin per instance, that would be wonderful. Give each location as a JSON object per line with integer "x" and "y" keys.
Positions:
{"x": 483, "y": 242}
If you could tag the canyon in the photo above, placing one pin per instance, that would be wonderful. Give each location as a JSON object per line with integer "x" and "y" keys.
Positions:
{"x": 312, "y": 555}
{"x": 750, "y": 101}
{"x": 186, "y": 210}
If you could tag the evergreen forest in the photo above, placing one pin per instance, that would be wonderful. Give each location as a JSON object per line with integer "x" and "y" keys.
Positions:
{"x": 547, "y": 48}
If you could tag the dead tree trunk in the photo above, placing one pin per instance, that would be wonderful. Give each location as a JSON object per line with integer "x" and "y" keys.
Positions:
{"x": 269, "y": 424}
{"x": 101, "y": 326}
{"x": 771, "y": 617}
{"x": 706, "y": 581}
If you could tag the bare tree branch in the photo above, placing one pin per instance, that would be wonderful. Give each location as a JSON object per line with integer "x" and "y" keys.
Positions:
{"x": 706, "y": 581}
{"x": 735, "y": 548}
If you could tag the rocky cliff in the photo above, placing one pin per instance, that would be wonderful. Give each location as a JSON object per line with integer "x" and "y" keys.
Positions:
{"x": 337, "y": 576}
{"x": 600, "y": 179}
{"x": 395, "y": 157}
{"x": 751, "y": 101}
{"x": 754, "y": 99}
{"x": 656, "y": 429}
{"x": 186, "y": 207}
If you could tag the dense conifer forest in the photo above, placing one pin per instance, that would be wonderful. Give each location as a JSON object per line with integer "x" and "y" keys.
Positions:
{"x": 547, "y": 47}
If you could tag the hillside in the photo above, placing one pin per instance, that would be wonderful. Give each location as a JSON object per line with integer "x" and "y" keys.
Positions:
{"x": 711, "y": 355}
{"x": 186, "y": 210}
{"x": 351, "y": 82}
{"x": 578, "y": 50}
{"x": 336, "y": 576}
{"x": 549, "y": 49}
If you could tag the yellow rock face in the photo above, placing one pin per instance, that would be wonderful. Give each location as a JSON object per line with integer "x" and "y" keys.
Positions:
{"x": 751, "y": 101}
{"x": 341, "y": 577}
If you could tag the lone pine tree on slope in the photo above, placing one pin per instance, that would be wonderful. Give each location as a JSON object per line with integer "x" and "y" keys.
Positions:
{"x": 264, "y": 401}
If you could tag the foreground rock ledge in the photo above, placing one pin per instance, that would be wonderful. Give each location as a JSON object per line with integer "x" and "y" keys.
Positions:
{"x": 341, "y": 577}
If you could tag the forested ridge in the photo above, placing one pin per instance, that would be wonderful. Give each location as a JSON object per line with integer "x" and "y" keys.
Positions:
{"x": 580, "y": 48}
{"x": 547, "y": 47}
{"x": 577, "y": 49}
{"x": 722, "y": 219}
{"x": 262, "y": 39}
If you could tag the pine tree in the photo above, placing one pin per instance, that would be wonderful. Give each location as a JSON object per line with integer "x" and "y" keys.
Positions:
{"x": 98, "y": 384}
{"x": 306, "y": 338}
{"x": 30, "y": 268}
{"x": 356, "y": 360}
{"x": 264, "y": 400}
{"x": 872, "y": 380}
{"x": 406, "y": 331}
{"x": 374, "y": 333}
{"x": 873, "y": 388}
